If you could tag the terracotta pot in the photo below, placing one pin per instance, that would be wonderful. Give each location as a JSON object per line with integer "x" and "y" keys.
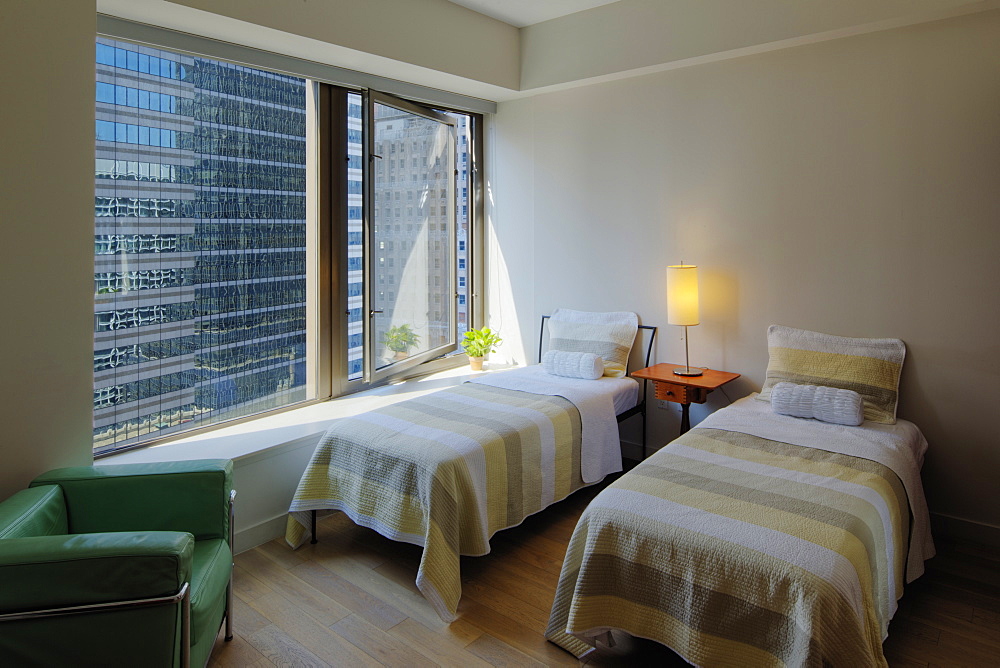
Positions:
{"x": 476, "y": 363}
{"x": 401, "y": 355}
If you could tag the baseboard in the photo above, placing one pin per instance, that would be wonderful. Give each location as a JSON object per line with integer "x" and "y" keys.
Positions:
{"x": 264, "y": 532}
{"x": 950, "y": 528}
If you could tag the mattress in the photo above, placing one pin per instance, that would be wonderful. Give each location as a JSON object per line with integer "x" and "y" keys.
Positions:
{"x": 754, "y": 539}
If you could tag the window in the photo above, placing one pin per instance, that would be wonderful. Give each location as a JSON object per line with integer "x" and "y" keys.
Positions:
{"x": 428, "y": 273}
{"x": 200, "y": 290}
{"x": 203, "y": 309}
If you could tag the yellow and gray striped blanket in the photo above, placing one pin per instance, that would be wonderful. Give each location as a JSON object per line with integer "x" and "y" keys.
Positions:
{"x": 444, "y": 471}
{"x": 744, "y": 543}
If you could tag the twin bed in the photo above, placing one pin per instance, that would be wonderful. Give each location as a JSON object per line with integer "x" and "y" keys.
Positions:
{"x": 448, "y": 470}
{"x": 760, "y": 538}
{"x": 755, "y": 539}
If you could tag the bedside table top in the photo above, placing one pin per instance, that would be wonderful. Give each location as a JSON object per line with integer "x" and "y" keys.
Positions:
{"x": 664, "y": 373}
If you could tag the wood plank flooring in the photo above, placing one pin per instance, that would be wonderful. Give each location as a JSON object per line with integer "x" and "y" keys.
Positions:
{"x": 350, "y": 600}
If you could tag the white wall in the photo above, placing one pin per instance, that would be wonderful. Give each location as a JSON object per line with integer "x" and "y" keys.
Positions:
{"x": 436, "y": 34}
{"x": 657, "y": 34}
{"x": 433, "y": 43}
{"x": 46, "y": 217}
{"x": 848, "y": 187}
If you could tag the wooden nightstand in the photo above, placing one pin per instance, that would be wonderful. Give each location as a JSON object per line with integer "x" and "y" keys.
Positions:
{"x": 684, "y": 390}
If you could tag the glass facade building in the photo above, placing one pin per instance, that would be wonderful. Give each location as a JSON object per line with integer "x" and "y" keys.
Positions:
{"x": 200, "y": 242}
{"x": 200, "y": 246}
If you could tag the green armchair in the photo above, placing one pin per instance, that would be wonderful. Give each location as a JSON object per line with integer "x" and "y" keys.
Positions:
{"x": 117, "y": 565}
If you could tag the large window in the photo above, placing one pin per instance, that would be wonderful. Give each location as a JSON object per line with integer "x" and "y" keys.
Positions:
{"x": 208, "y": 259}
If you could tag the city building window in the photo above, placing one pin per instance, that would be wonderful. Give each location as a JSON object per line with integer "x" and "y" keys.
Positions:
{"x": 204, "y": 310}
{"x": 224, "y": 307}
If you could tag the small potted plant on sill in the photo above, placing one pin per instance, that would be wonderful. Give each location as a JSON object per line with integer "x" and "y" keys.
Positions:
{"x": 478, "y": 343}
{"x": 399, "y": 339}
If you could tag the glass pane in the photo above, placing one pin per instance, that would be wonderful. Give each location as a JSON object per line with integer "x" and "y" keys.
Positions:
{"x": 413, "y": 205}
{"x": 200, "y": 236}
{"x": 355, "y": 241}
{"x": 463, "y": 165}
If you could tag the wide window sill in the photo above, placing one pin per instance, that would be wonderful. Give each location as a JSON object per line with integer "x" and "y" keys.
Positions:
{"x": 294, "y": 428}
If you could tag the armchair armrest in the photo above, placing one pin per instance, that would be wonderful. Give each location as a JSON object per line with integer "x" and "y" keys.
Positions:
{"x": 190, "y": 496}
{"x": 45, "y": 572}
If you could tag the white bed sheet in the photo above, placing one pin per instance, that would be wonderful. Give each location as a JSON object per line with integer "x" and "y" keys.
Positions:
{"x": 597, "y": 401}
{"x": 624, "y": 391}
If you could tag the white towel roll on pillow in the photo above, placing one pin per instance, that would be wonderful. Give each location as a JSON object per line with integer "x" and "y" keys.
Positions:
{"x": 829, "y": 404}
{"x": 573, "y": 365}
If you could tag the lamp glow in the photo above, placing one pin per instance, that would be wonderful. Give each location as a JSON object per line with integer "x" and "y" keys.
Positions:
{"x": 682, "y": 306}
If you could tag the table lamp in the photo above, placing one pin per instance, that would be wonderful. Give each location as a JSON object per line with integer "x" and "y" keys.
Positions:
{"x": 682, "y": 306}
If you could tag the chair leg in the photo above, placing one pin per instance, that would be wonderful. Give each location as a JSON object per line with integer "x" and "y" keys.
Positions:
{"x": 186, "y": 629}
{"x": 229, "y": 589}
{"x": 229, "y": 610}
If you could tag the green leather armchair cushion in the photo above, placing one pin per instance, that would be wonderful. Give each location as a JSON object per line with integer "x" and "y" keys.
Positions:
{"x": 191, "y": 496}
{"x": 212, "y": 566}
{"x": 132, "y": 637}
{"x": 39, "y": 511}
{"x": 80, "y": 569}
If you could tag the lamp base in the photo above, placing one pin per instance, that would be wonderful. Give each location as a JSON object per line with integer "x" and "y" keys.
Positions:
{"x": 681, "y": 371}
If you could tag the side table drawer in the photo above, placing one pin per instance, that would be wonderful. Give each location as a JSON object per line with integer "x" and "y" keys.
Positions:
{"x": 671, "y": 392}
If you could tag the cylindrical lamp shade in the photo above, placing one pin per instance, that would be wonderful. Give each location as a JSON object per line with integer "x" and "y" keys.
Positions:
{"x": 682, "y": 294}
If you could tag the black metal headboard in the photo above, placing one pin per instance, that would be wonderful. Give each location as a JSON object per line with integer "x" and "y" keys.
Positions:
{"x": 649, "y": 345}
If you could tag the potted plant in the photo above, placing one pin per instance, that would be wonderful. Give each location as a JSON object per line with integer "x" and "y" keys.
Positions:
{"x": 478, "y": 343}
{"x": 399, "y": 339}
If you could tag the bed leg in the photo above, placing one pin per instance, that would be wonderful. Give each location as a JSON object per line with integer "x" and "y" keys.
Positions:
{"x": 313, "y": 521}
{"x": 644, "y": 428}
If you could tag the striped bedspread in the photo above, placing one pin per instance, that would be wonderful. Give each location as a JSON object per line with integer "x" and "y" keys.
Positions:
{"x": 444, "y": 471}
{"x": 734, "y": 548}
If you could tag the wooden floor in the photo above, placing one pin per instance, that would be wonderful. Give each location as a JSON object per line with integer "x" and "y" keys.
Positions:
{"x": 350, "y": 601}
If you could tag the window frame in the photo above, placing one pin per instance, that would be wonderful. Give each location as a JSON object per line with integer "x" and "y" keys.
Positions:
{"x": 373, "y": 375}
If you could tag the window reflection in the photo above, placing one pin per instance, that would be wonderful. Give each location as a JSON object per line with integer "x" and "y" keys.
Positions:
{"x": 199, "y": 243}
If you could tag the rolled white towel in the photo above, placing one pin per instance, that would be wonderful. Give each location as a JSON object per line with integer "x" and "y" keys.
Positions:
{"x": 829, "y": 404}
{"x": 573, "y": 365}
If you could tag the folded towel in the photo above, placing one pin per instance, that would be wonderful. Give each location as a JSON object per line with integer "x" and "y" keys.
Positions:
{"x": 828, "y": 404}
{"x": 573, "y": 365}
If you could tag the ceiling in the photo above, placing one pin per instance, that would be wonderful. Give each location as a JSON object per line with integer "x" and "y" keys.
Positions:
{"x": 521, "y": 13}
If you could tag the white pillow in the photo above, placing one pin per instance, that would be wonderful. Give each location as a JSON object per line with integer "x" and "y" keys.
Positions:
{"x": 828, "y": 404}
{"x": 573, "y": 365}
{"x": 607, "y": 335}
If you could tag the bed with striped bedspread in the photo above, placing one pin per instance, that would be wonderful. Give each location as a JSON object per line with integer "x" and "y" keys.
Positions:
{"x": 449, "y": 469}
{"x": 755, "y": 539}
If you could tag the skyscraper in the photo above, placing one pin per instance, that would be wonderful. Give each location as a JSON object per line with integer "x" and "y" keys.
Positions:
{"x": 201, "y": 234}
{"x": 200, "y": 237}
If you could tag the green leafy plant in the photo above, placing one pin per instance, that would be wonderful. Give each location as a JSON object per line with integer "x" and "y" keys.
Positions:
{"x": 400, "y": 338}
{"x": 480, "y": 342}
